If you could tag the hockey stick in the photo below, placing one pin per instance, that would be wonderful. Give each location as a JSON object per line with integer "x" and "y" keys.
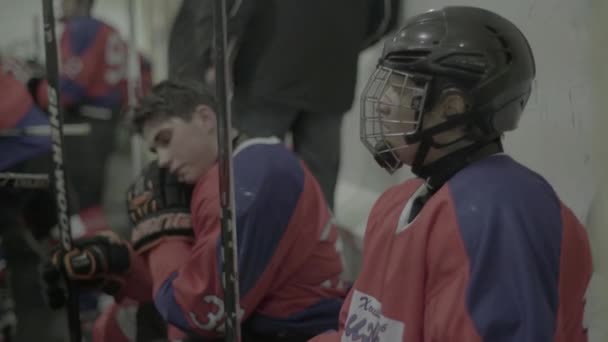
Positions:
{"x": 24, "y": 180}
{"x": 230, "y": 272}
{"x": 134, "y": 78}
{"x": 45, "y": 130}
{"x": 58, "y": 174}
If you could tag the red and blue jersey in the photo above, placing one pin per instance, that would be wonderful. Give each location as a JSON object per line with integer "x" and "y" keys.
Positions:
{"x": 288, "y": 265}
{"x": 494, "y": 255}
{"x": 17, "y": 110}
{"x": 94, "y": 66}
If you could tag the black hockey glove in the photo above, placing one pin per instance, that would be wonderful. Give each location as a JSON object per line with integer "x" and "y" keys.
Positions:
{"x": 159, "y": 208}
{"x": 99, "y": 262}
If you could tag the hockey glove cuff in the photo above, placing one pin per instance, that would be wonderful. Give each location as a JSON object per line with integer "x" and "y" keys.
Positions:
{"x": 159, "y": 208}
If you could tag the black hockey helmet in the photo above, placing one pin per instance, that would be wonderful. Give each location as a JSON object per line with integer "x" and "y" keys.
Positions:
{"x": 476, "y": 51}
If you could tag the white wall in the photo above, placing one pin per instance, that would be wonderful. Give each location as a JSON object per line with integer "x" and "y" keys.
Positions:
{"x": 554, "y": 137}
{"x": 597, "y": 223}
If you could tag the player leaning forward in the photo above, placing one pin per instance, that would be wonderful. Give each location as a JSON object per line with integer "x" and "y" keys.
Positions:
{"x": 289, "y": 267}
{"x": 477, "y": 247}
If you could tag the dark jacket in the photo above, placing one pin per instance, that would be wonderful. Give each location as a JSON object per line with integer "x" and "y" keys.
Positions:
{"x": 294, "y": 53}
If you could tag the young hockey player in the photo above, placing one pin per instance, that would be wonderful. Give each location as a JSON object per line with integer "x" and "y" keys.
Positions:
{"x": 93, "y": 86}
{"x": 288, "y": 266}
{"x": 477, "y": 247}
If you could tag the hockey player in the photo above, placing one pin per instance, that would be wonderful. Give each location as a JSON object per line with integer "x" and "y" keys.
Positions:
{"x": 477, "y": 247}
{"x": 94, "y": 61}
{"x": 289, "y": 267}
{"x": 17, "y": 111}
{"x": 27, "y": 216}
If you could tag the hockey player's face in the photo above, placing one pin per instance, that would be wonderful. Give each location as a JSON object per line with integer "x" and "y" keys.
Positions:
{"x": 397, "y": 119}
{"x": 392, "y": 102}
{"x": 187, "y": 148}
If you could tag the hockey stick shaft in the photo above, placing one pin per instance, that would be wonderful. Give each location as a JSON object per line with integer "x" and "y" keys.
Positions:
{"x": 226, "y": 184}
{"x": 58, "y": 174}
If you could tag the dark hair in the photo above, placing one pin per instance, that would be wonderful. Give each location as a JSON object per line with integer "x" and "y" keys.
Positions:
{"x": 169, "y": 99}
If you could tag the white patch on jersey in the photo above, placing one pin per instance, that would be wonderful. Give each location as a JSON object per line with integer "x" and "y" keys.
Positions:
{"x": 72, "y": 67}
{"x": 327, "y": 229}
{"x": 403, "y": 224}
{"x": 78, "y": 227}
{"x": 255, "y": 141}
{"x": 126, "y": 317}
{"x": 365, "y": 321}
{"x": 215, "y": 318}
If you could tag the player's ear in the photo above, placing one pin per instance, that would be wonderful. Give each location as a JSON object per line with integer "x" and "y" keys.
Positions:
{"x": 205, "y": 117}
{"x": 452, "y": 102}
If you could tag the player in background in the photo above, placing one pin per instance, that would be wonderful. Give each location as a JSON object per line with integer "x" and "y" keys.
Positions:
{"x": 477, "y": 247}
{"x": 93, "y": 85}
{"x": 289, "y": 268}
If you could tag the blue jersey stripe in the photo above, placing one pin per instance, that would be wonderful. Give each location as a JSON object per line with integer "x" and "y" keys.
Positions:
{"x": 510, "y": 223}
{"x": 167, "y": 305}
{"x": 82, "y": 33}
{"x": 268, "y": 182}
{"x": 314, "y": 320}
{"x": 14, "y": 150}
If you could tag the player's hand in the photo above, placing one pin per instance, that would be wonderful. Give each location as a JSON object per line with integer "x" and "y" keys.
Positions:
{"x": 99, "y": 262}
{"x": 159, "y": 208}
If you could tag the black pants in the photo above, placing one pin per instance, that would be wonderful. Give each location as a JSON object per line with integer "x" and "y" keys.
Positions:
{"x": 316, "y": 138}
{"x": 25, "y": 211}
{"x": 86, "y": 158}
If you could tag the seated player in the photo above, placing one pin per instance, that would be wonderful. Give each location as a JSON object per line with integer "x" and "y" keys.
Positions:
{"x": 93, "y": 87}
{"x": 477, "y": 247}
{"x": 289, "y": 268}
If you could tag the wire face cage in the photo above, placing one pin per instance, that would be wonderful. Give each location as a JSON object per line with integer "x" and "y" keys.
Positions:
{"x": 391, "y": 106}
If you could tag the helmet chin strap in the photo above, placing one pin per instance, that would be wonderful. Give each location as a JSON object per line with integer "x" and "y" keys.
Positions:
{"x": 423, "y": 150}
{"x": 439, "y": 171}
{"x": 387, "y": 159}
